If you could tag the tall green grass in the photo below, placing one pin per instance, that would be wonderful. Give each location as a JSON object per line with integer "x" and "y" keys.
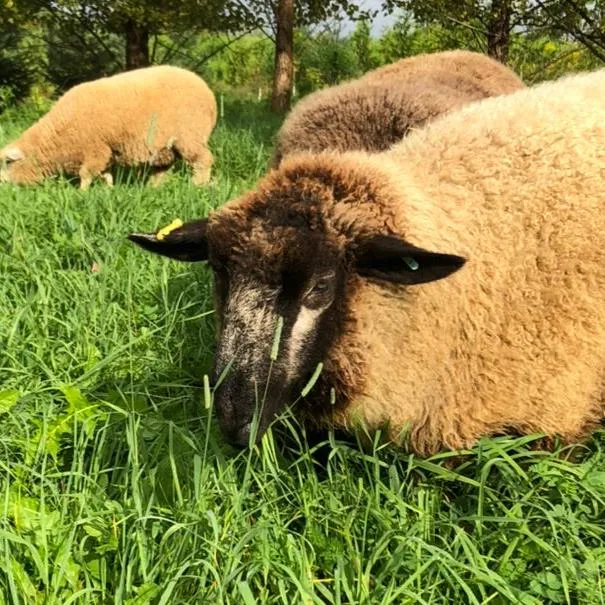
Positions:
{"x": 115, "y": 484}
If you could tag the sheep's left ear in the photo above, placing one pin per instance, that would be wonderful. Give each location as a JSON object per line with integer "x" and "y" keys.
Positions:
{"x": 391, "y": 259}
{"x": 13, "y": 154}
{"x": 187, "y": 242}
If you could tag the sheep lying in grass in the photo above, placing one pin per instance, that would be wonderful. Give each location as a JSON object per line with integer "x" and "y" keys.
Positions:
{"x": 379, "y": 109}
{"x": 147, "y": 116}
{"x": 453, "y": 287}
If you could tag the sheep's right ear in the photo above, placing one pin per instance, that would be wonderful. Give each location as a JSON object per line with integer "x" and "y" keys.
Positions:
{"x": 186, "y": 243}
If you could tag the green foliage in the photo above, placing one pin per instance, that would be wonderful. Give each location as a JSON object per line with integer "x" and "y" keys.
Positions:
{"x": 248, "y": 64}
{"x": 323, "y": 60}
{"x": 76, "y": 54}
{"x": 22, "y": 63}
{"x": 364, "y": 47}
{"x": 64, "y": 52}
{"x": 547, "y": 58}
{"x": 582, "y": 20}
{"x": 406, "y": 39}
{"x": 155, "y": 15}
{"x": 116, "y": 486}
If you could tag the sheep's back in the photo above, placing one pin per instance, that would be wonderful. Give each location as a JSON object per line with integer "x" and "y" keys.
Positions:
{"x": 134, "y": 111}
{"x": 516, "y": 339}
{"x": 380, "y": 108}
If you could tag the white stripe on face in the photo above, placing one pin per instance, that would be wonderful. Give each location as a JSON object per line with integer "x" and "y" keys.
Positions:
{"x": 303, "y": 328}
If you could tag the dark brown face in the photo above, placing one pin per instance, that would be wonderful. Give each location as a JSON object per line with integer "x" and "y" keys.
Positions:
{"x": 280, "y": 295}
{"x": 281, "y": 284}
{"x": 273, "y": 334}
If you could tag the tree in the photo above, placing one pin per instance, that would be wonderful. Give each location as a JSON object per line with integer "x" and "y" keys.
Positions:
{"x": 362, "y": 43}
{"x": 491, "y": 21}
{"x": 22, "y": 60}
{"x": 280, "y": 18}
{"x": 582, "y": 20}
{"x": 498, "y": 29}
{"x": 137, "y": 20}
{"x": 283, "y": 78}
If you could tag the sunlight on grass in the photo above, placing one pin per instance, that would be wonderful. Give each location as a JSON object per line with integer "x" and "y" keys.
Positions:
{"x": 117, "y": 487}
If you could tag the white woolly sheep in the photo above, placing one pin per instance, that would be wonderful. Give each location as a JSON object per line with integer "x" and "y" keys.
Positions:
{"x": 453, "y": 287}
{"x": 147, "y": 116}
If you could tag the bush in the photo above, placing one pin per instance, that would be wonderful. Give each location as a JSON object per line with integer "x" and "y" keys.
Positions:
{"x": 323, "y": 60}
{"x": 17, "y": 75}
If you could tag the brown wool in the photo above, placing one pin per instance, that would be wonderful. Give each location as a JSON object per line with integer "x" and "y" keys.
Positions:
{"x": 514, "y": 342}
{"x": 379, "y": 109}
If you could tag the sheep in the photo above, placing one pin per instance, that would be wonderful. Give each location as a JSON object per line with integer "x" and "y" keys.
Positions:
{"x": 453, "y": 287}
{"x": 151, "y": 115}
{"x": 379, "y": 109}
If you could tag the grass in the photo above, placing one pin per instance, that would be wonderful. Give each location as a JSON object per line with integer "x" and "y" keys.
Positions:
{"x": 116, "y": 487}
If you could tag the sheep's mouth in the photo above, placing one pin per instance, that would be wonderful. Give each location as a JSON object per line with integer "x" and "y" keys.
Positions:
{"x": 245, "y": 413}
{"x": 240, "y": 436}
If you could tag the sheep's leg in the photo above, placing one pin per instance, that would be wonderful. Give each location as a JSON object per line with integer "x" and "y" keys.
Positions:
{"x": 85, "y": 179}
{"x": 108, "y": 178}
{"x": 201, "y": 173}
{"x": 198, "y": 156}
{"x": 92, "y": 167}
{"x": 158, "y": 177}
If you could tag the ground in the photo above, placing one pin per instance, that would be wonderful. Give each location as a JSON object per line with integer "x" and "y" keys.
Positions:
{"x": 115, "y": 484}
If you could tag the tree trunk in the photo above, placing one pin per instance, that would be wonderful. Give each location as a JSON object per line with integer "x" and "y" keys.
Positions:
{"x": 137, "y": 45}
{"x": 498, "y": 30}
{"x": 283, "y": 77}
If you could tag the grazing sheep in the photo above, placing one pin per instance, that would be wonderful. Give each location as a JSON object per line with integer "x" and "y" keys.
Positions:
{"x": 453, "y": 287}
{"x": 379, "y": 109}
{"x": 151, "y": 115}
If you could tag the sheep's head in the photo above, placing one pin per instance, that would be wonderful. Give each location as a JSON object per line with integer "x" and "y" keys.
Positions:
{"x": 281, "y": 268}
{"x": 17, "y": 167}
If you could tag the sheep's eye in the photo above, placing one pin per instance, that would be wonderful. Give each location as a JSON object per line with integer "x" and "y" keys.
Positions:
{"x": 322, "y": 289}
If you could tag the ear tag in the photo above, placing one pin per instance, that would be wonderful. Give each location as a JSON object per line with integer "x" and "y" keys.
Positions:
{"x": 411, "y": 263}
{"x": 164, "y": 231}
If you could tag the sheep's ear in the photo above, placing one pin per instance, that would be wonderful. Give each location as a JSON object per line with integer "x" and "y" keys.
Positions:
{"x": 13, "y": 154}
{"x": 187, "y": 242}
{"x": 394, "y": 260}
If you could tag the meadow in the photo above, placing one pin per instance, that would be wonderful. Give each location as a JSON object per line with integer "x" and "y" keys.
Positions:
{"x": 117, "y": 488}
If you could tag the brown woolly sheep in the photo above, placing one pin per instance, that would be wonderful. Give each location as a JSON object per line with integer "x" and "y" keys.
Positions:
{"x": 453, "y": 287}
{"x": 151, "y": 115}
{"x": 379, "y": 109}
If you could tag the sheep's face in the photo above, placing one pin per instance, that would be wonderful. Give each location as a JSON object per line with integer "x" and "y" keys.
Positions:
{"x": 280, "y": 306}
{"x": 16, "y": 167}
{"x": 281, "y": 286}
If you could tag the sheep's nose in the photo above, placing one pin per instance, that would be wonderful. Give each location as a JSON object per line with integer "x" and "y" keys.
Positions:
{"x": 234, "y": 410}
{"x": 240, "y": 436}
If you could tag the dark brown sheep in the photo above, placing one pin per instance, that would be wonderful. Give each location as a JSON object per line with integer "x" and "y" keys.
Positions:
{"x": 379, "y": 109}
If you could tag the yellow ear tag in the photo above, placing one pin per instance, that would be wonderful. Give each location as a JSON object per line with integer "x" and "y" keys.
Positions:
{"x": 164, "y": 231}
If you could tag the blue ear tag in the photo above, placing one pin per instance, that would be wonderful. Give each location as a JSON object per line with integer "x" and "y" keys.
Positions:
{"x": 411, "y": 263}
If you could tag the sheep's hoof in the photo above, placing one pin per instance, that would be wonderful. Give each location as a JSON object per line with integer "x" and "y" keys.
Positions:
{"x": 108, "y": 178}
{"x": 201, "y": 176}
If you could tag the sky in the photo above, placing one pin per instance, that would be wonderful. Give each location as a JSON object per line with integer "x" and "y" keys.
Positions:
{"x": 381, "y": 22}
